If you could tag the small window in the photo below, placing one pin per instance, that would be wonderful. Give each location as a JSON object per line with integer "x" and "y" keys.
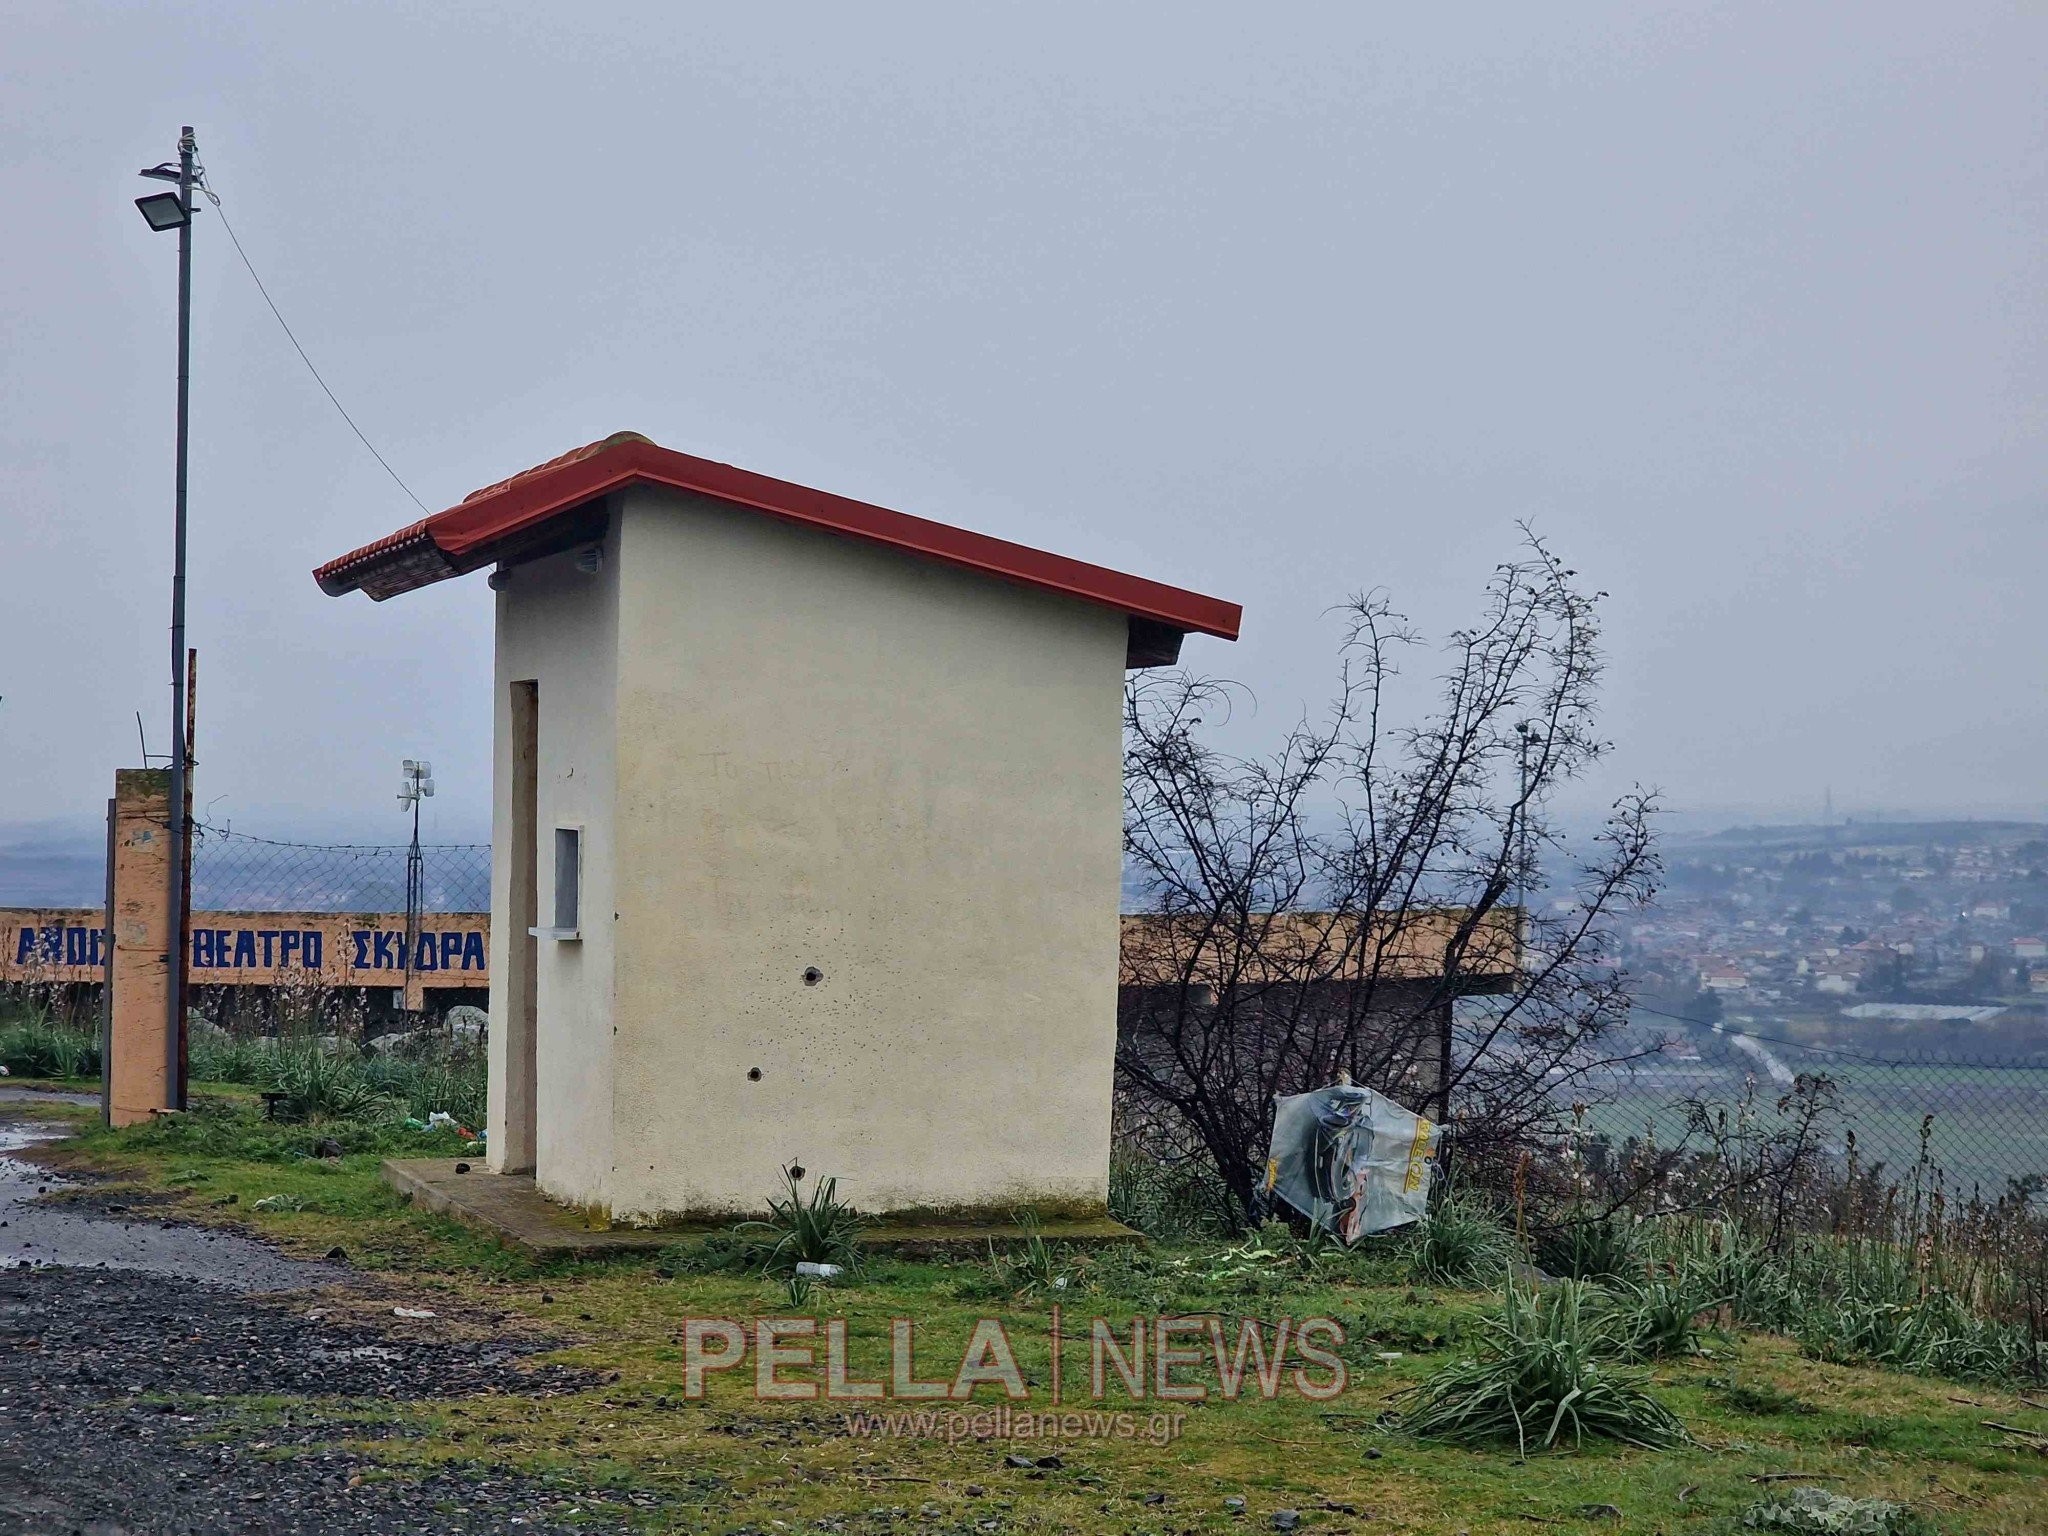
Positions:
{"x": 568, "y": 878}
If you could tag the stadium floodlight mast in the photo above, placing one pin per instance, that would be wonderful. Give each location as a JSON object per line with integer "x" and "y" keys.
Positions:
{"x": 163, "y": 211}
{"x": 415, "y": 783}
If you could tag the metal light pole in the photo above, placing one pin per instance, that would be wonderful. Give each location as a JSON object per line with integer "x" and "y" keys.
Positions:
{"x": 415, "y": 783}
{"x": 161, "y": 216}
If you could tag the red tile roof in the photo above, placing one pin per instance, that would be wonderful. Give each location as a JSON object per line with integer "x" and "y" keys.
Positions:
{"x": 513, "y": 514}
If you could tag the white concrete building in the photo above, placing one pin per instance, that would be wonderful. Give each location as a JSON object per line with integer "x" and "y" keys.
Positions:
{"x": 807, "y": 837}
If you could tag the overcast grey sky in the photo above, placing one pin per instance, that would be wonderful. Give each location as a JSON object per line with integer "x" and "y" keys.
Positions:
{"x": 1744, "y": 305}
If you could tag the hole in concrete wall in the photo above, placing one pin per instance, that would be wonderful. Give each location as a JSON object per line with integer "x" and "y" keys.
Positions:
{"x": 812, "y": 975}
{"x": 753, "y": 1074}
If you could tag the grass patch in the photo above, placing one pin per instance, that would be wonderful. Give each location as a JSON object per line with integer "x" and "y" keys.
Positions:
{"x": 1545, "y": 1376}
{"x": 729, "y": 1461}
{"x": 1589, "y": 1248}
{"x": 1759, "y": 1399}
{"x": 1461, "y": 1243}
{"x": 814, "y": 1228}
{"x": 35, "y": 1045}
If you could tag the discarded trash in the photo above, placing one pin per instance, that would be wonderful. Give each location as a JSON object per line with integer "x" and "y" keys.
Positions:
{"x": 467, "y": 1023}
{"x": 1351, "y": 1160}
{"x": 410, "y": 1312}
{"x": 819, "y": 1271}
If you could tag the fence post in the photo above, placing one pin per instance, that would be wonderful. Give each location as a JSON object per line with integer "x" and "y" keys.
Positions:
{"x": 142, "y": 969}
{"x": 1445, "y": 1023}
{"x": 107, "y": 979}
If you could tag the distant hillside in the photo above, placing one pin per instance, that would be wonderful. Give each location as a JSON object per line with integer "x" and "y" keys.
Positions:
{"x": 63, "y": 864}
{"x": 1860, "y": 834}
{"x": 46, "y": 866}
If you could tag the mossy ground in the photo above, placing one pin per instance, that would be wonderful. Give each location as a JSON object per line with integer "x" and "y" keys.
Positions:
{"x": 727, "y": 1462}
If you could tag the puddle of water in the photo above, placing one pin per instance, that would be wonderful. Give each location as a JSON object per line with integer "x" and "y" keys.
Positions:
{"x": 37, "y": 1233}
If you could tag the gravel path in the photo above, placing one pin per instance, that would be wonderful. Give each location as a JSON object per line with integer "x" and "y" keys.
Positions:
{"x": 91, "y": 1234}
{"x": 123, "y": 1405}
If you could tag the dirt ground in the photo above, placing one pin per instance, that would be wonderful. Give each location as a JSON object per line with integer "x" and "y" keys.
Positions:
{"x": 138, "y": 1401}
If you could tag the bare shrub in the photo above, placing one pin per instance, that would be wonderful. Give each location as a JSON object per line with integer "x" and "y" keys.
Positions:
{"x": 1324, "y": 906}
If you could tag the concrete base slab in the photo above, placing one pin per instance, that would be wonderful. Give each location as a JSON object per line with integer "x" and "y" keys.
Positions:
{"x": 511, "y": 1208}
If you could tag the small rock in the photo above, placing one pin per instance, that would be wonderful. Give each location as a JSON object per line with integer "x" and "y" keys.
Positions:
{"x": 328, "y": 1147}
{"x": 1373, "y": 1453}
{"x": 1286, "y": 1519}
{"x": 1155, "y": 1497}
{"x": 415, "y": 1312}
{"x": 1050, "y": 1463}
{"x": 338, "y": 1254}
{"x": 1235, "y": 1504}
{"x": 462, "y": 1167}
{"x": 975, "y": 1491}
{"x": 1014, "y": 1460}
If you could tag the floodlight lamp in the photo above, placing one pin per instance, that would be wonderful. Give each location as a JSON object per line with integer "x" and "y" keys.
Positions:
{"x": 164, "y": 210}
{"x": 163, "y": 172}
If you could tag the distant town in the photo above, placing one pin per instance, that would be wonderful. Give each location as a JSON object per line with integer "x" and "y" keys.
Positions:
{"x": 1923, "y": 936}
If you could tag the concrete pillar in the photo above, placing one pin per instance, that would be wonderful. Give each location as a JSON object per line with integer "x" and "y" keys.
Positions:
{"x": 138, "y": 1071}
{"x": 515, "y": 909}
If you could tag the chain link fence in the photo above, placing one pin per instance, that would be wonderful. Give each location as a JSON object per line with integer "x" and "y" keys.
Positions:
{"x": 234, "y": 872}
{"x": 1979, "y": 1116}
{"x": 1977, "y": 1108}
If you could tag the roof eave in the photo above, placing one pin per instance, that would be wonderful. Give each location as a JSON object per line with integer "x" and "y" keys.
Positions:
{"x": 461, "y": 538}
